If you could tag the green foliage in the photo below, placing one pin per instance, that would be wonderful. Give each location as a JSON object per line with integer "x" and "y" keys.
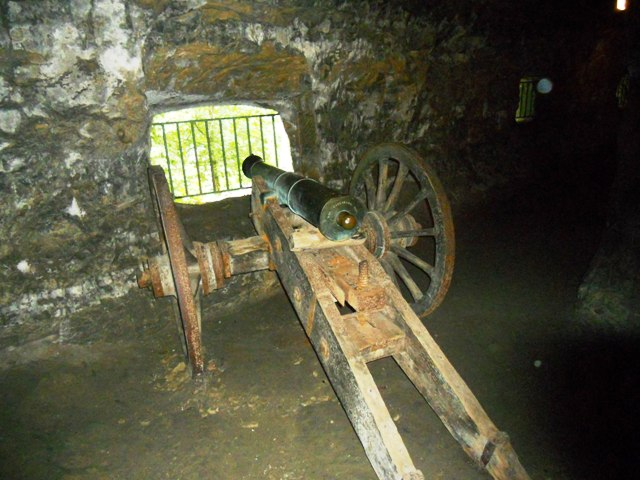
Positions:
{"x": 201, "y": 149}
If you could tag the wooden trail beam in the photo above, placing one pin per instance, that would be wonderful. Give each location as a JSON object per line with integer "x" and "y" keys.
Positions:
{"x": 379, "y": 328}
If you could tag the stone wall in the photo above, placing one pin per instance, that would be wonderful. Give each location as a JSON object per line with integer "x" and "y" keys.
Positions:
{"x": 79, "y": 82}
{"x": 609, "y": 297}
{"x": 73, "y": 222}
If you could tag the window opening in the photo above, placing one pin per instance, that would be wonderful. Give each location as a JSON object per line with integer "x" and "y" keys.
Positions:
{"x": 201, "y": 149}
{"x": 529, "y": 87}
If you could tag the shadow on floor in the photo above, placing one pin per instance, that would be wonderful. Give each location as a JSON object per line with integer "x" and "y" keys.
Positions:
{"x": 592, "y": 392}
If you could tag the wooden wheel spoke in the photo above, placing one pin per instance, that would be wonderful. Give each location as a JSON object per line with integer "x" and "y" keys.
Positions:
{"x": 402, "y": 252}
{"x": 422, "y": 194}
{"x": 370, "y": 190}
{"x": 389, "y": 269}
{"x": 186, "y": 240}
{"x": 383, "y": 170}
{"x": 180, "y": 326}
{"x": 403, "y": 170}
{"x": 399, "y": 268}
{"x": 397, "y": 185}
{"x": 425, "y": 232}
{"x": 197, "y": 298}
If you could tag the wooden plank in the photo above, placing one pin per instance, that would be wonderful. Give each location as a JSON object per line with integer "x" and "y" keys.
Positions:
{"x": 344, "y": 280}
{"x": 245, "y": 255}
{"x": 436, "y": 379}
{"x": 309, "y": 237}
{"x": 374, "y": 335}
{"x": 303, "y": 280}
{"x": 345, "y": 343}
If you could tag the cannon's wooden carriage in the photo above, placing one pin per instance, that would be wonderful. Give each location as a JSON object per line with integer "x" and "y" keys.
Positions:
{"x": 358, "y": 298}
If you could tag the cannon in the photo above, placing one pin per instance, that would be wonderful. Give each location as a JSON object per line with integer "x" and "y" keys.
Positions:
{"x": 384, "y": 251}
{"x": 337, "y": 216}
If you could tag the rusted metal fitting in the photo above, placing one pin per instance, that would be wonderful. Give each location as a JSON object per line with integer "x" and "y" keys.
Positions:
{"x": 377, "y": 233}
{"x": 211, "y": 265}
{"x": 363, "y": 275}
{"x": 406, "y": 224}
{"x": 272, "y": 265}
{"x": 220, "y": 260}
{"x": 204, "y": 264}
{"x": 223, "y": 247}
{"x": 144, "y": 279}
{"x": 158, "y": 277}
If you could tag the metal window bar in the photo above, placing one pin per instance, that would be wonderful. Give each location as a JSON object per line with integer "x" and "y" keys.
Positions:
{"x": 211, "y": 160}
{"x": 526, "y": 104}
{"x": 195, "y": 153}
{"x": 275, "y": 140}
{"x": 235, "y": 140}
{"x": 166, "y": 153}
{"x": 262, "y": 137}
{"x": 184, "y": 170}
{"x": 224, "y": 156}
{"x": 248, "y": 133}
{"x": 213, "y": 156}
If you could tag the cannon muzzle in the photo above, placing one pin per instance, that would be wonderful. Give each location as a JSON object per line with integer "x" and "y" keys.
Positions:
{"x": 337, "y": 216}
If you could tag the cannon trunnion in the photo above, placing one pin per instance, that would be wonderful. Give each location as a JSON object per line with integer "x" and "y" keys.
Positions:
{"x": 359, "y": 250}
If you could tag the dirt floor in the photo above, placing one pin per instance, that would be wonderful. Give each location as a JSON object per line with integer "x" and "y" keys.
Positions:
{"x": 119, "y": 404}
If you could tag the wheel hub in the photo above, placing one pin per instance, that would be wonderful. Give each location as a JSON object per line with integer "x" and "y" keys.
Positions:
{"x": 380, "y": 236}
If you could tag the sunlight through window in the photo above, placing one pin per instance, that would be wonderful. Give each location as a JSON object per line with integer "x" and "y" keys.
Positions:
{"x": 202, "y": 149}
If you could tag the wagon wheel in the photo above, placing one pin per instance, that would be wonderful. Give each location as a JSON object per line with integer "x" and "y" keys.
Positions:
{"x": 184, "y": 268}
{"x": 408, "y": 224}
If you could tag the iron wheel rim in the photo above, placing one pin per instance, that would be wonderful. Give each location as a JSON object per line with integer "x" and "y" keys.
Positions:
{"x": 380, "y": 180}
{"x": 175, "y": 244}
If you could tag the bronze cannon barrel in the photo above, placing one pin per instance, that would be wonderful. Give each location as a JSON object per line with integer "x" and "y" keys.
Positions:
{"x": 337, "y": 216}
